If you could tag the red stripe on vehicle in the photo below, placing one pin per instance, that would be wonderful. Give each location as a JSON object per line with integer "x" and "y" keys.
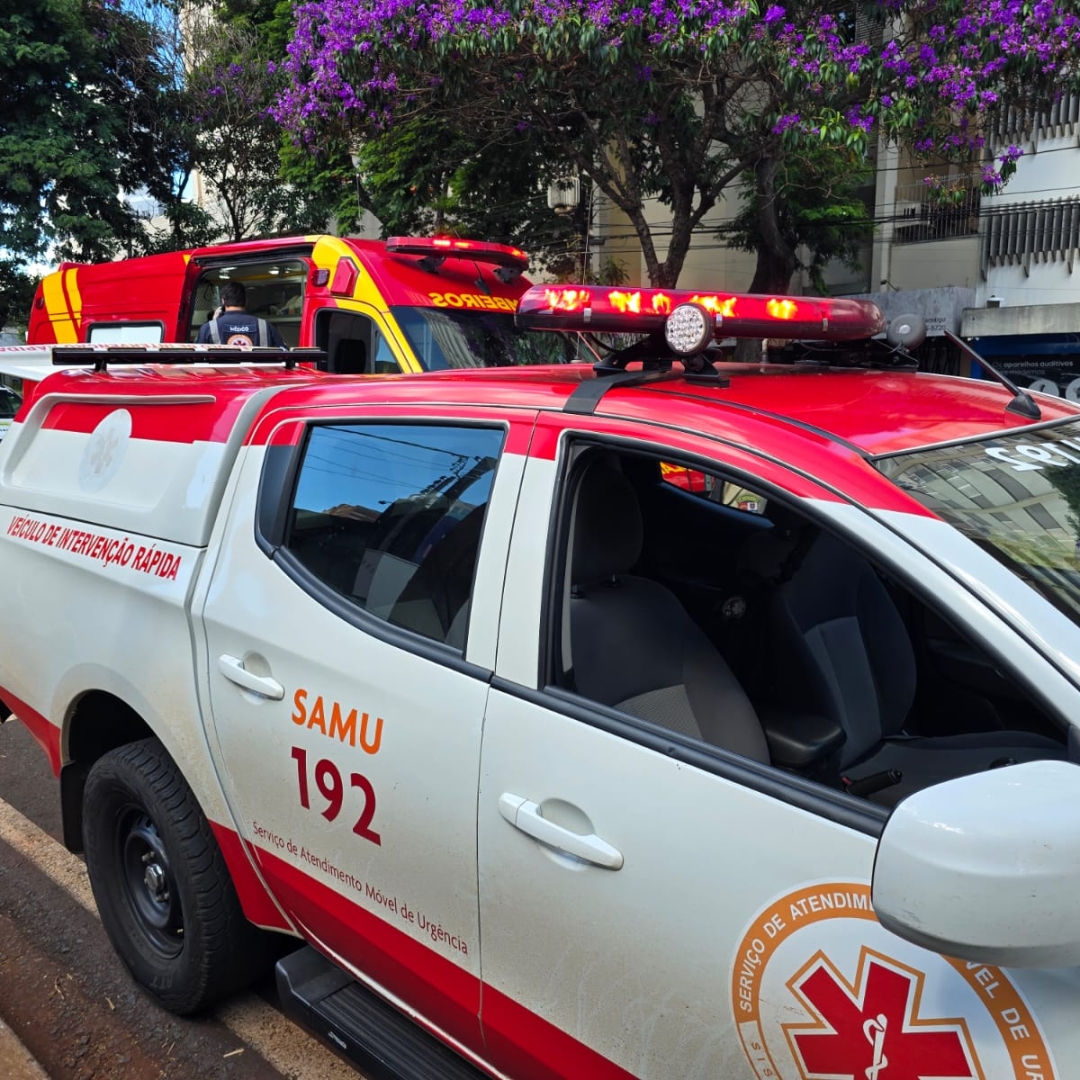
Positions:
{"x": 514, "y": 1040}
{"x": 531, "y": 1048}
{"x": 287, "y": 434}
{"x": 545, "y": 442}
{"x": 44, "y": 731}
{"x": 285, "y": 426}
{"x": 447, "y": 995}
{"x": 518, "y": 439}
{"x": 254, "y": 898}
{"x": 212, "y": 421}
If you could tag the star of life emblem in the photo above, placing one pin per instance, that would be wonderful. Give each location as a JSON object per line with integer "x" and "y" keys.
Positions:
{"x": 881, "y": 1006}
{"x": 104, "y": 452}
{"x": 821, "y": 991}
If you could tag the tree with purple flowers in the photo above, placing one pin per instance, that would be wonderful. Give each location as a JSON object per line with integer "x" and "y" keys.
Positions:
{"x": 676, "y": 100}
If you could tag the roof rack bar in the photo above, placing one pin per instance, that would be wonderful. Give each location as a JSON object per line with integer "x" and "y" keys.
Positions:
{"x": 102, "y": 357}
{"x": 587, "y": 395}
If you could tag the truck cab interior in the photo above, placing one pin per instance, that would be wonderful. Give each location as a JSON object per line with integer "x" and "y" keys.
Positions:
{"x": 772, "y": 637}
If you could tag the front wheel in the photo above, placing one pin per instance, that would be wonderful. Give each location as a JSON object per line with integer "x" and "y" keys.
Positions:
{"x": 160, "y": 882}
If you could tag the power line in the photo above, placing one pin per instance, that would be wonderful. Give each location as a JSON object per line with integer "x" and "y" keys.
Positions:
{"x": 871, "y": 170}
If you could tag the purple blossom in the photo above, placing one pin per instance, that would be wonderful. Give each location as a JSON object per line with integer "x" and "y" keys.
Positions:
{"x": 358, "y": 57}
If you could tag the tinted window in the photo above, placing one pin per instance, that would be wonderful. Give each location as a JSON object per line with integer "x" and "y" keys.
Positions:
{"x": 390, "y": 516}
{"x": 9, "y": 403}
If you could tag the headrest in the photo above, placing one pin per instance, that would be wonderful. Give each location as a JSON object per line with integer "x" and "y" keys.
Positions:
{"x": 607, "y": 525}
{"x": 764, "y": 554}
{"x": 775, "y": 554}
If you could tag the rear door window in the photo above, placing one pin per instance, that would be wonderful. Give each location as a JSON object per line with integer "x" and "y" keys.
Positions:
{"x": 390, "y": 515}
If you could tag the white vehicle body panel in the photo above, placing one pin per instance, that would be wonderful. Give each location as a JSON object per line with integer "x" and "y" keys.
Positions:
{"x": 383, "y": 795}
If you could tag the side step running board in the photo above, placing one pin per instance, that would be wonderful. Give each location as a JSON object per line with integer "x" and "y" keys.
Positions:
{"x": 361, "y": 1027}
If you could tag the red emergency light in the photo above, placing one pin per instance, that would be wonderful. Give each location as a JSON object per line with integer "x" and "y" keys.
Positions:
{"x": 438, "y": 248}
{"x": 628, "y": 311}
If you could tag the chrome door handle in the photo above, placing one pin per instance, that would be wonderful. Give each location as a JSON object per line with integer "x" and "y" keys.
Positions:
{"x": 232, "y": 667}
{"x": 526, "y": 816}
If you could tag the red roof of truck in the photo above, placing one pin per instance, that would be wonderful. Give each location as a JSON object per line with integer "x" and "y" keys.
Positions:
{"x": 872, "y": 412}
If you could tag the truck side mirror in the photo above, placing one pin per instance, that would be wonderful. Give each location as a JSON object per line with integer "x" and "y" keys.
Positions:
{"x": 987, "y": 867}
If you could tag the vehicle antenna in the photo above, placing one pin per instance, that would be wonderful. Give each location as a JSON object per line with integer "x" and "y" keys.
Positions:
{"x": 1023, "y": 404}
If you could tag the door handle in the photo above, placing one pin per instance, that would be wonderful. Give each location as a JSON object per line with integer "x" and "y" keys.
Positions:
{"x": 232, "y": 667}
{"x": 526, "y": 816}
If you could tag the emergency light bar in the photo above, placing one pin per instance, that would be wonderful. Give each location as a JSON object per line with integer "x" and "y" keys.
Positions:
{"x": 445, "y": 247}
{"x": 628, "y": 311}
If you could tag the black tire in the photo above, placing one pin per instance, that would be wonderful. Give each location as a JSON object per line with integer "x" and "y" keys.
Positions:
{"x": 161, "y": 885}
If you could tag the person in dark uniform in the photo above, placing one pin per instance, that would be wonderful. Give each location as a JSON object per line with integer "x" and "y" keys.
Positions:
{"x": 234, "y": 326}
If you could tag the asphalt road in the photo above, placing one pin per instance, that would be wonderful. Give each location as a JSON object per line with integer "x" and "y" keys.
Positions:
{"x": 67, "y": 996}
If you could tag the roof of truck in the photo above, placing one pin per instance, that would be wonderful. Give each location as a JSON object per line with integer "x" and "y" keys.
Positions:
{"x": 870, "y": 411}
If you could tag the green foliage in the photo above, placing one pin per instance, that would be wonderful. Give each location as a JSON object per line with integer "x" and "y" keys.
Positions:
{"x": 77, "y": 84}
{"x": 609, "y": 272}
{"x": 817, "y": 207}
{"x": 183, "y": 225}
{"x": 273, "y": 19}
{"x": 16, "y": 294}
{"x": 422, "y": 176}
{"x": 237, "y": 145}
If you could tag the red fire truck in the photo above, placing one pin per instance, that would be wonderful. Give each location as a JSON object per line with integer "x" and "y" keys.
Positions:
{"x": 406, "y": 304}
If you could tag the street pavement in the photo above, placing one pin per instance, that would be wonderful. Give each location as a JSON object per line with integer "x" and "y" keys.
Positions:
{"x": 65, "y": 998}
{"x": 16, "y": 1062}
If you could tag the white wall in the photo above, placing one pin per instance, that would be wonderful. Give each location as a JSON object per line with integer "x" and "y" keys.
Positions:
{"x": 1048, "y": 171}
{"x": 935, "y": 263}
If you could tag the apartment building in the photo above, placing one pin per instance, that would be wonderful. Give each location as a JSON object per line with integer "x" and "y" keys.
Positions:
{"x": 1001, "y": 270}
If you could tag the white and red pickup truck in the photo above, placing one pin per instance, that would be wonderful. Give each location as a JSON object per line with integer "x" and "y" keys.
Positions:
{"x": 571, "y": 724}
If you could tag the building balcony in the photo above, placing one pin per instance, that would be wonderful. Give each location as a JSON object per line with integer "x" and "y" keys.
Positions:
{"x": 926, "y": 212}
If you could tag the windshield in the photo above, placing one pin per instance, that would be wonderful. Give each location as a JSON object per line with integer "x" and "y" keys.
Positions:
{"x": 451, "y": 338}
{"x": 1017, "y": 497}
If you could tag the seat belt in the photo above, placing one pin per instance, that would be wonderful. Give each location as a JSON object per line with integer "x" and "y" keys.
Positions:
{"x": 215, "y": 333}
{"x": 264, "y": 332}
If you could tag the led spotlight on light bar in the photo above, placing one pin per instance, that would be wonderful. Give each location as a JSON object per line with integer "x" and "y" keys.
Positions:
{"x": 689, "y": 329}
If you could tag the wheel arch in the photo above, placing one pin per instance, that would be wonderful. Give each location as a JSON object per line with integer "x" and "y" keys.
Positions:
{"x": 96, "y": 722}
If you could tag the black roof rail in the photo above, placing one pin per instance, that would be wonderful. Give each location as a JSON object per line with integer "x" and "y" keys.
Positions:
{"x": 101, "y": 356}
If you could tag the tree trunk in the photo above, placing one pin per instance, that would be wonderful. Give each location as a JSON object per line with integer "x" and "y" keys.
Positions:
{"x": 776, "y": 260}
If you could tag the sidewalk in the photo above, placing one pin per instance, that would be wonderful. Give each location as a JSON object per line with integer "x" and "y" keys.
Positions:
{"x": 15, "y": 1060}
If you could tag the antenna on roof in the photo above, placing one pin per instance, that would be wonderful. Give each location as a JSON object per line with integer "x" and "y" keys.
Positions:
{"x": 1023, "y": 404}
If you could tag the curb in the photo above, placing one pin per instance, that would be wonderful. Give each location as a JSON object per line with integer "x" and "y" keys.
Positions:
{"x": 16, "y": 1062}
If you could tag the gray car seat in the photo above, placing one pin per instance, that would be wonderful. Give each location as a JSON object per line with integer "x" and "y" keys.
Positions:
{"x": 841, "y": 650}
{"x": 631, "y": 643}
